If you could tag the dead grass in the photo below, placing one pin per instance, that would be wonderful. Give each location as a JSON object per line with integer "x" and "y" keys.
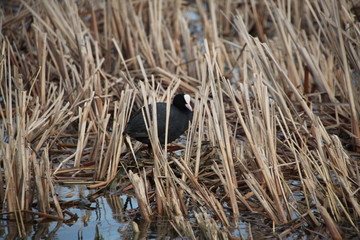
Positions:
{"x": 276, "y": 109}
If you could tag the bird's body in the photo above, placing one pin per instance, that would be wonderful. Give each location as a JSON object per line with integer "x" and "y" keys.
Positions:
{"x": 180, "y": 116}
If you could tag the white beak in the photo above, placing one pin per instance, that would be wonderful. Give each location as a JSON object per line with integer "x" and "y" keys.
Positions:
{"x": 187, "y": 100}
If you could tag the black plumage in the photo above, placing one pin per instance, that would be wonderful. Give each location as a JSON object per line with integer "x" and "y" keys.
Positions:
{"x": 180, "y": 116}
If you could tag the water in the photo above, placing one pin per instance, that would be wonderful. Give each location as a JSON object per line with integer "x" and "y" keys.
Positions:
{"x": 111, "y": 217}
{"x": 106, "y": 218}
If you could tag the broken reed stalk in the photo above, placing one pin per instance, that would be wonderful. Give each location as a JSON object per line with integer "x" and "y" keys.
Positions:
{"x": 271, "y": 111}
{"x": 140, "y": 188}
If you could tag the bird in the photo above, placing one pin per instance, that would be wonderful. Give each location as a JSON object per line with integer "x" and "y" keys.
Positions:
{"x": 181, "y": 115}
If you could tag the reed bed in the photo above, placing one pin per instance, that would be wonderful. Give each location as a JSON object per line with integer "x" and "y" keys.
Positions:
{"x": 276, "y": 111}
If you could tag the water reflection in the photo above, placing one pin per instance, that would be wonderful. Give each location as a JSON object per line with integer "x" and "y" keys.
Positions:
{"x": 106, "y": 218}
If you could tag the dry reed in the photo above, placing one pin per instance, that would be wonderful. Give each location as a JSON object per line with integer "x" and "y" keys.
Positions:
{"x": 276, "y": 119}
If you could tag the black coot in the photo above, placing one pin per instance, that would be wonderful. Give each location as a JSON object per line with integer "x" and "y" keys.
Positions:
{"x": 180, "y": 116}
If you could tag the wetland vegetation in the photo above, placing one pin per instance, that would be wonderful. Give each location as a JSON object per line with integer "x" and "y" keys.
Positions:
{"x": 274, "y": 142}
